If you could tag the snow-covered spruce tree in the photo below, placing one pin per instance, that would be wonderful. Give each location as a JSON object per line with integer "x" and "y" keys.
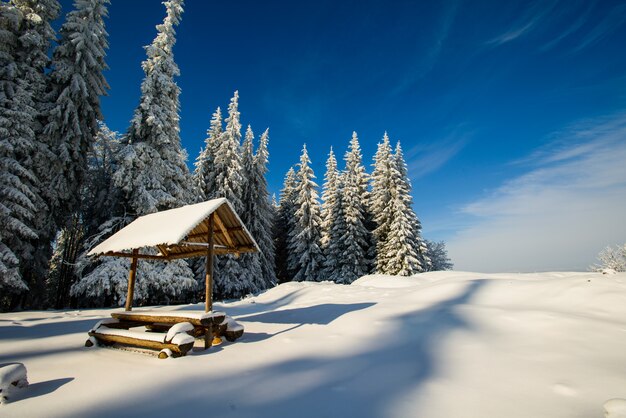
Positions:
{"x": 263, "y": 221}
{"x": 230, "y": 279}
{"x": 152, "y": 171}
{"x": 329, "y": 194}
{"x": 17, "y": 208}
{"x": 26, "y": 37}
{"x": 204, "y": 173}
{"x": 284, "y": 224}
{"x": 380, "y": 199}
{"x": 403, "y": 251}
{"x": 250, "y": 263}
{"x": 399, "y": 247}
{"x": 76, "y": 85}
{"x": 335, "y": 249}
{"x": 228, "y": 166}
{"x": 438, "y": 255}
{"x": 152, "y": 174}
{"x": 354, "y": 261}
{"x": 305, "y": 239}
{"x": 203, "y": 184}
{"x": 99, "y": 202}
{"x": 405, "y": 193}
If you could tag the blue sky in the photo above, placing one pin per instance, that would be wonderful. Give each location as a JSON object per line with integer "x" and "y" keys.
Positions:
{"x": 512, "y": 115}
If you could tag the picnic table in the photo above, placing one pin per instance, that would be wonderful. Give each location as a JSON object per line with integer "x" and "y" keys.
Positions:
{"x": 171, "y": 332}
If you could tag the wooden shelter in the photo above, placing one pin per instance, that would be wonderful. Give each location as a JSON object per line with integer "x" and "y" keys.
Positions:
{"x": 202, "y": 229}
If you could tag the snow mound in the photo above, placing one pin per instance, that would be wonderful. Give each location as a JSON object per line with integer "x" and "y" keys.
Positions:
{"x": 12, "y": 376}
{"x": 615, "y": 408}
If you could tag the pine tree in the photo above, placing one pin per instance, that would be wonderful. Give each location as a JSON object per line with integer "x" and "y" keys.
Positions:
{"x": 402, "y": 251}
{"x": 26, "y": 36}
{"x": 17, "y": 207}
{"x": 329, "y": 194}
{"x": 354, "y": 260}
{"x": 99, "y": 200}
{"x": 380, "y": 199}
{"x": 416, "y": 226}
{"x": 250, "y": 264}
{"x": 284, "y": 224}
{"x": 228, "y": 165}
{"x": 204, "y": 173}
{"x": 305, "y": 240}
{"x": 153, "y": 173}
{"x": 230, "y": 278}
{"x": 263, "y": 221}
{"x": 76, "y": 86}
{"x": 336, "y": 244}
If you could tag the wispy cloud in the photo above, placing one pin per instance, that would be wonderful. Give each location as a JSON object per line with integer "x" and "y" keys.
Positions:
{"x": 423, "y": 159}
{"x": 613, "y": 19}
{"x": 528, "y": 21}
{"x": 425, "y": 61}
{"x": 560, "y": 213}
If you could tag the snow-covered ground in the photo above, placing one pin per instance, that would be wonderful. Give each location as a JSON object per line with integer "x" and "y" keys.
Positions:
{"x": 442, "y": 344}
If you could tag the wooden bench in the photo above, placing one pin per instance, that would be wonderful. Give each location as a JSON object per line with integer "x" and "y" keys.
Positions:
{"x": 175, "y": 345}
{"x": 161, "y": 327}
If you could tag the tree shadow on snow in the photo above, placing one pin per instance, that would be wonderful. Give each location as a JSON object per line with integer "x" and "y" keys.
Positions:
{"x": 46, "y": 329}
{"x": 368, "y": 382}
{"x": 246, "y": 308}
{"x": 318, "y": 314}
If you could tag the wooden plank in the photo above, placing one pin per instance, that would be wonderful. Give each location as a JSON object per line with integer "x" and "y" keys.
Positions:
{"x": 165, "y": 319}
{"x": 133, "y": 255}
{"x": 215, "y": 231}
{"x": 224, "y": 230}
{"x": 131, "y": 282}
{"x": 198, "y": 253}
{"x": 208, "y": 297}
{"x": 163, "y": 250}
{"x": 138, "y": 342}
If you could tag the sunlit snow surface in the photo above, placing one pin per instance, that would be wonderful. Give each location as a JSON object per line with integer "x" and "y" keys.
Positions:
{"x": 443, "y": 344}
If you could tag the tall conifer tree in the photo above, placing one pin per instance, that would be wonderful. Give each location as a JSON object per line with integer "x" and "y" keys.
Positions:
{"x": 17, "y": 208}
{"x": 380, "y": 199}
{"x": 204, "y": 173}
{"x": 25, "y": 37}
{"x": 261, "y": 226}
{"x": 153, "y": 173}
{"x": 77, "y": 83}
{"x": 305, "y": 240}
{"x": 354, "y": 260}
{"x": 284, "y": 225}
{"x": 329, "y": 195}
{"x": 230, "y": 278}
{"x": 405, "y": 244}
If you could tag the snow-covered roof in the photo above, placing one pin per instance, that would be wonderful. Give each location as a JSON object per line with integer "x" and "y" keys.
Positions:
{"x": 181, "y": 233}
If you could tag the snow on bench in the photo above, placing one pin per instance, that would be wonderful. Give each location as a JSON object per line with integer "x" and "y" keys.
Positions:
{"x": 11, "y": 376}
{"x": 230, "y": 329}
{"x": 172, "y": 317}
{"x": 176, "y": 342}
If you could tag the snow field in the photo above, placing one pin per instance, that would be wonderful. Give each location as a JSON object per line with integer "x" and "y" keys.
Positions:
{"x": 441, "y": 344}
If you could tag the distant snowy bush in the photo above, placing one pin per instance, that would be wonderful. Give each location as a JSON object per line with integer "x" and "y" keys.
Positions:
{"x": 611, "y": 258}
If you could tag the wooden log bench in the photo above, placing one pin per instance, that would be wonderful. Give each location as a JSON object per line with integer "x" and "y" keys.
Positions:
{"x": 162, "y": 328}
{"x": 176, "y": 346}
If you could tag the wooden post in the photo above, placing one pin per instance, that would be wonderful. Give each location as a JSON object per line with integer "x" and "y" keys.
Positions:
{"x": 131, "y": 281}
{"x": 208, "y": 297}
